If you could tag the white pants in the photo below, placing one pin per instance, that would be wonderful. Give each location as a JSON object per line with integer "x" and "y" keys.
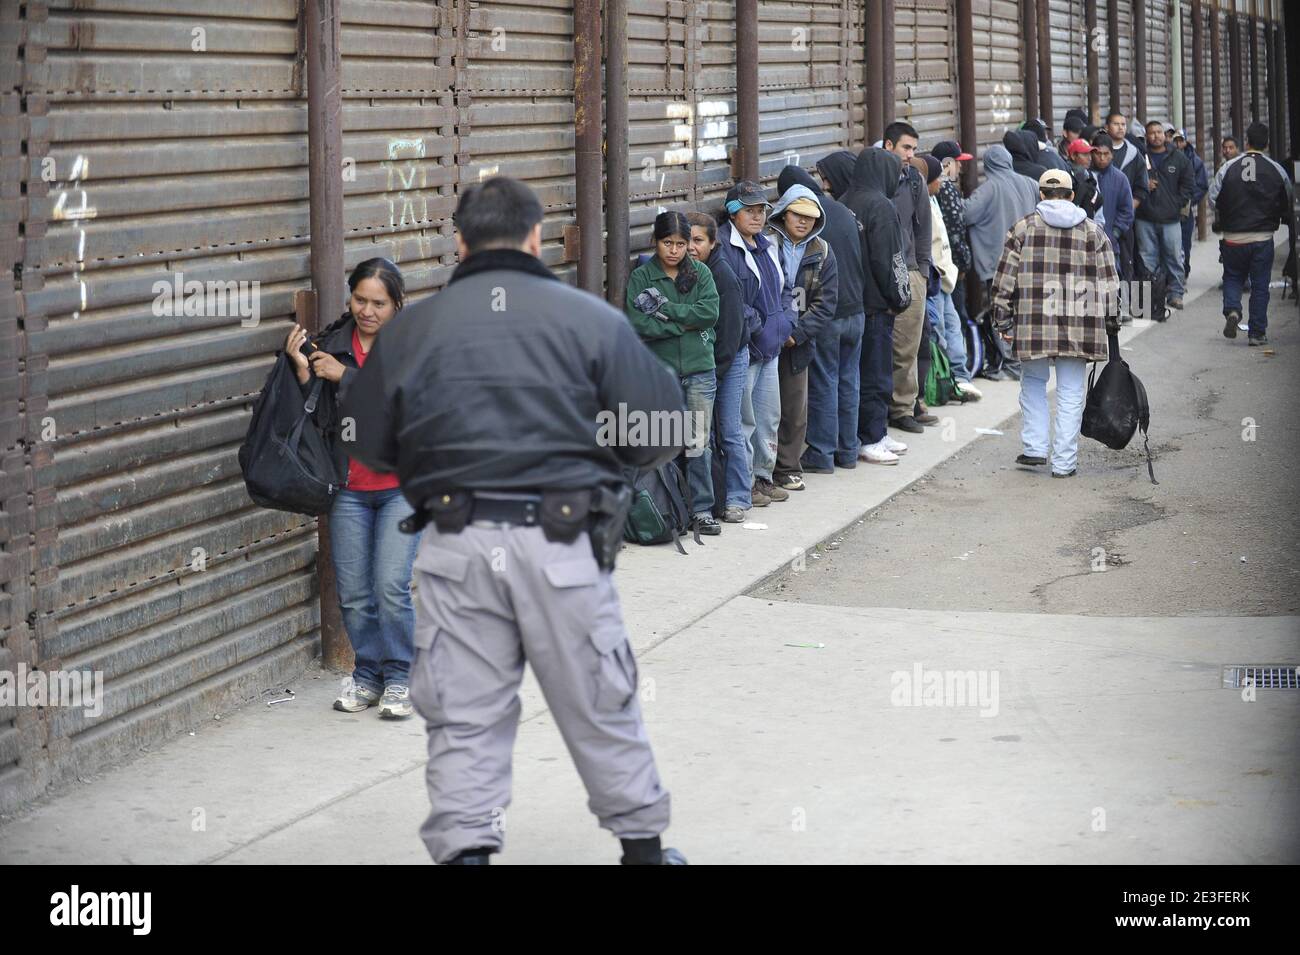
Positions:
{"x": 1071, "y": 381}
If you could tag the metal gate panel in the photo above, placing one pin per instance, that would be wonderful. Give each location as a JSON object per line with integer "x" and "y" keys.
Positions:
{"x": 999, "y": 67}
{"x": 801, "y": 77}
{"x": 1189, "y": 79}
{"x": 857, "y": 67}
{"x": 1069, "y": 32}
{"x": 714, "y": 86}
{"x": 516, "y": 107}
{"x": 170, "y": 149}
{"x": 1261, "y": 46}
{"x": 925, "y": 69}
{"x": 1159, "y": 76}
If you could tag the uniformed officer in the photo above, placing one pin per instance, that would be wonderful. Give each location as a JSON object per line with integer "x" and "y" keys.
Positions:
{"x": 486, "y": 400}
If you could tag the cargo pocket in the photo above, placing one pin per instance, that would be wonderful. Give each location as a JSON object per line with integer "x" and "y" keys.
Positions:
{"x": 426, "y": 688}
{"x": 438, "y": 575}
{"x": 615, "y": 673}
{"x": 577, "y": 594}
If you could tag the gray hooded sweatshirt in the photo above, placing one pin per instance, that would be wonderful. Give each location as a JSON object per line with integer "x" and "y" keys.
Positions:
{"x": 1002, "y": 199}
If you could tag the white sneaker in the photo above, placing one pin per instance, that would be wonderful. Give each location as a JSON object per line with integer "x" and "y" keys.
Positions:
{"x": 896, "y": 447}
{"x": 355, "y": 698}
{"x": 969, "y": 390}
{"x": 395, "y": 704}
{"x": 877, "y": 454}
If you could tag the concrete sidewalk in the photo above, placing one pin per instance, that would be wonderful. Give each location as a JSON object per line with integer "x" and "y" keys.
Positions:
{"x": 299, "y": 782}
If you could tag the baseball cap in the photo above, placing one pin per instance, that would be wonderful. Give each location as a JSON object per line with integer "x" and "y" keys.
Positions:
{"x": 1055, "y": 179}
{"x": 1180, "y": 134}
{"x": 745, "y": 193}
{"x": 933, "y": 168}
{"x": 1074, "y": 124}
{"x": 805, "y": 207}
{"x": 949, "y": 149}
{"x": 1077, "y": 147}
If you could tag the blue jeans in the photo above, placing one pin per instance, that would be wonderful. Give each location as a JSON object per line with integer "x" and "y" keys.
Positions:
{"x": 877, "y": 379}
{"x": 372, "y": 572}
{"x": 1071, "y": 384}
{"x": 1161, "y": 245}
{"x": 760, "y": 415}
{"x": 731, "y": 433}
{"x": 947, "y": 325}
{"x": 1254, "y": 260}
{"x": 833, "y": 394}
{"x": 700, "y": 389}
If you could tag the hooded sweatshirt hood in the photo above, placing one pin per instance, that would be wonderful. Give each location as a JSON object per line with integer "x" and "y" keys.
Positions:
{"x": 797, "y": 191}
{"x": 1023, "y": 146}
{"x": 877, "y": 170}
{"x": 838, "y": 170}
{"x": 997, "y": 160}
{"x": 1060, "y": 213}
{"x": 994, "y": 207}
{"x": 796, "y": 175}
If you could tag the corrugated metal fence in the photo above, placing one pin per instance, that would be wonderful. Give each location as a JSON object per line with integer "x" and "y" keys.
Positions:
{"x": 153, "y": 213}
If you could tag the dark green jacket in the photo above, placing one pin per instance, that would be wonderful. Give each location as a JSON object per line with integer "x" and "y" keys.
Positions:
{"x": 681, "y": 334}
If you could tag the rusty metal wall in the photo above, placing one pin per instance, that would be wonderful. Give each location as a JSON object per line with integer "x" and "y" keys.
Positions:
{"x": 1069, "y": 34}
{"x": 925, "y": 63}
{"x": 1159, "y": 23}
{"x": 999, "y": 65}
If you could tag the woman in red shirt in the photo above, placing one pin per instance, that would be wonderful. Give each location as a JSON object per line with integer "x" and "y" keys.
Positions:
{"x": 372, "y": 558}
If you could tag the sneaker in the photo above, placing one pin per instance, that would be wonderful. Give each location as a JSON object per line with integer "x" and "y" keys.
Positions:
{"x": 926, "y": 418}
{"x": 395, "y": 704}
{"x": 898, "y": 447}
{"x": 734, "y": 515}
{"x": 356, "y": 698}
{"x": 877, "y": 454}
{"x": 1030, "y": 460}
{"x": 1253, "y": 340}
{"x": 758, "y": 498}
{"x": 997, "y": 374}
{"x": 1065, "y": 474}
{"x": 1175, "y": 303}
{"x": 907, "y": 423}
{"x": 969, "y": 391}
{"x": 1231, "y": 319}
{"x": 706, "y": 524}
{"x": 771, "y": 491}
{"x": 791, "y": 482}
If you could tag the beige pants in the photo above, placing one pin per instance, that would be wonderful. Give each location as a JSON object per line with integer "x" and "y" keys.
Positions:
{"x": 908, "y": 326}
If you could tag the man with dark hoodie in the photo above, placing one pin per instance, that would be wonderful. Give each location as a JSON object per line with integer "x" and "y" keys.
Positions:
{"x": 886, "y": 291}
{"x": 810, "y": 269}
{"x": 1159, "y": 229}
{"x": 912, "y": 201}
{"x": 1022, "y": 144}
{"x": 836, "y": 172}
{"x": 833, "y": 377}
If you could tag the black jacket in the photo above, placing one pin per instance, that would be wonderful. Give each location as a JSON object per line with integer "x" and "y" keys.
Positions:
{"x": 506, "y": 380}
{"x": 886, "y": 286}
{"x": 838, "y": 170}
{"x": 1173, "y": 175}
{"x": 1023, "y": 146}
{"x": 1136, "y": 170}
{"x": 842, "y": 232}
{"x": 1247, "y": 199}
{"x": 731, "y": 331}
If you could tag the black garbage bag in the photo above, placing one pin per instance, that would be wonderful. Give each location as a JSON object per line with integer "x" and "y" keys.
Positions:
{"x": 1117, "y": 406}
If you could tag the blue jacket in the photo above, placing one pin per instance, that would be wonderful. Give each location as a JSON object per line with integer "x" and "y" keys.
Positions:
{"x": 1116, "y": 203}
{"x": 769, "y": 299}
{"x": 1200, "y": 177}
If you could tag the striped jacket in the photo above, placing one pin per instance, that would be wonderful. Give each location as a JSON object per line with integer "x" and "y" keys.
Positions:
{"x": 1056, "y": 285}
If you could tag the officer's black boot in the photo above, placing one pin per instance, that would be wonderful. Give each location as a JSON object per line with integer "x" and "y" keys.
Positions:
{"x": 472, "y": 857}
{"x": 649, "y": 852}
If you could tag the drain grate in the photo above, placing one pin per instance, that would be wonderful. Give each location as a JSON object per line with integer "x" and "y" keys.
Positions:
{"x": 1262, "y": 676}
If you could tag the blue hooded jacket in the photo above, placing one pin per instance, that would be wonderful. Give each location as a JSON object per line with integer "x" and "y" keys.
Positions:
{"x": 769, "y": 299}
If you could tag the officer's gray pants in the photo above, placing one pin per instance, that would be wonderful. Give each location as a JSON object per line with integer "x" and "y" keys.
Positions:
{"x": 487, "y": 599}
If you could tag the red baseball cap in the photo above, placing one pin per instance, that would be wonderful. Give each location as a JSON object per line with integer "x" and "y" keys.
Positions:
{"x": 1078, "y": 146}
{"x": 949, "y": 149}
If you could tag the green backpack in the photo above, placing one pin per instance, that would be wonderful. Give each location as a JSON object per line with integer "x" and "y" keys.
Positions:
{"x": 940, "y": 385}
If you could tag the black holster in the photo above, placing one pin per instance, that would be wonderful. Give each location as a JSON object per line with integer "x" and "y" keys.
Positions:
{"x": 610, "y": 505}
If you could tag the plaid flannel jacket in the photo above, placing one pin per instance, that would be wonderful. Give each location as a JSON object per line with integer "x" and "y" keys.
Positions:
{"x": 1058, "y": 289}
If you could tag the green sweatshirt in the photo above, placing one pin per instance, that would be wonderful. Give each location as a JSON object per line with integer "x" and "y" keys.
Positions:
{"x": 683, "y": 337}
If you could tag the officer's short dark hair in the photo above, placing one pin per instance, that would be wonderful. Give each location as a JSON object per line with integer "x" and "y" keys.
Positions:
{"x": 1257, "y": 136}
{"x": 897, "y": 129}
{"x": 497, "y": 213}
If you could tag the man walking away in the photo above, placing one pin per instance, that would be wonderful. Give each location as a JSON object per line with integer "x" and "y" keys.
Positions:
{"x": 1251, "y": 196}
{"x": 482, "y": 399}
{"x": 833, "y": 377}
{"x": 1047, "y": 255}
{"x": 1160, "y": 236}
{"x": 810, "y": 270}
{"x": 886, "y": 291}
{"x": 913, "y": 205}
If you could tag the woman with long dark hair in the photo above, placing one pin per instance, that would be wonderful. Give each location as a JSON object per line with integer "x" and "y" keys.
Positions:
{"x": 673, "y": 305}
{"x": 372, "y": 558}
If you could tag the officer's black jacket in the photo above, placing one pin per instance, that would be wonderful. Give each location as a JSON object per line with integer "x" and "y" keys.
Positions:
{"x": 498, "y": 382}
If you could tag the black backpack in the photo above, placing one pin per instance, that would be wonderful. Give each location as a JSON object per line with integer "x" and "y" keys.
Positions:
{"x": 285, "y": 457}
{"x": 659, "y": 513}
{"x": 1117, "y": 406}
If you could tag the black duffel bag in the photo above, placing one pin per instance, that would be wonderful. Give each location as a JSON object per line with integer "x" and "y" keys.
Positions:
{"x": 285, "y": 457}
{"x": 1117, "y": 406}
